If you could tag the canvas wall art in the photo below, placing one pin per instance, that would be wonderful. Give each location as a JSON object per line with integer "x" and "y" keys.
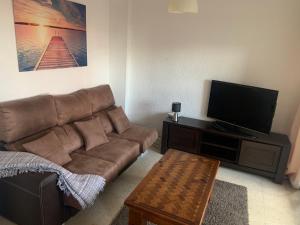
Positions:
{"x": 50, "y": 34}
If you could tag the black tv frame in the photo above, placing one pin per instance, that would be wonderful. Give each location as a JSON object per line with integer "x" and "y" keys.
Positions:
{"x": 227, "y": 126}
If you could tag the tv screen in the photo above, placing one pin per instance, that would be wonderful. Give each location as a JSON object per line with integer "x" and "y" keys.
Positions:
{"x": 245, "y": 106}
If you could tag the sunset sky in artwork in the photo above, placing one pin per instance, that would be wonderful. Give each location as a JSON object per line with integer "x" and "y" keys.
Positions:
{"x": 59, "y": 13}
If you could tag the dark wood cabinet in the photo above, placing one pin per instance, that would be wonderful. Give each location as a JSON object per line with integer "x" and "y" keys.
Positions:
{"x": 260, "y": 156}
{"x": 265, "y": 155}
{"x": 184, "y": 138}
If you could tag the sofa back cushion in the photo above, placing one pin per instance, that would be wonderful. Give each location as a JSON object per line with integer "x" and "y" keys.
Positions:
{"x": 101, "y": 97}
{"x": 24, "y": 117}
{"x": 72, "y": 107}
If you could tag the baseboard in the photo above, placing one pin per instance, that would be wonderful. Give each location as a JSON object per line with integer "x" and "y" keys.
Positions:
{"x": 157, "y": 143}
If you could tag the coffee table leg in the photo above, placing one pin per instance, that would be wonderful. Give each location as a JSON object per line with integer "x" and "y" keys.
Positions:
{"x": 135, "y": 218}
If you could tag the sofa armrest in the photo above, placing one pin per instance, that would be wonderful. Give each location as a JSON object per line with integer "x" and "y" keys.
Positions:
{"x": 32, "y": 199}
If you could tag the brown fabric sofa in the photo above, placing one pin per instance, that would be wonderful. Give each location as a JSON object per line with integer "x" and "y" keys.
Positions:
{"x": 25, "y": 120}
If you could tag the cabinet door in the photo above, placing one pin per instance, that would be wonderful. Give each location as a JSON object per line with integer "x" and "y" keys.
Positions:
{"x": 182, "y": 138}
{"x": 259, "y": 156}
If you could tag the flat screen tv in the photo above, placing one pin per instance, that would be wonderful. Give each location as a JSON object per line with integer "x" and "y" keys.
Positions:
{"x": 244, "y": 106}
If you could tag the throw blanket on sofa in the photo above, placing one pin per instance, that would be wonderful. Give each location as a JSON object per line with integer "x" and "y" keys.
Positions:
{"x": 84, "y": 188}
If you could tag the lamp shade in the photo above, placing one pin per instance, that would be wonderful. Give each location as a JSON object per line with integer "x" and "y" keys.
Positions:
{"x": 183, "y": 6}
{"x": 176, "y": 107}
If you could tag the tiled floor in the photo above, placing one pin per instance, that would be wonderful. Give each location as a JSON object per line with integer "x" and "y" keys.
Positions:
{"x": 269, "y": 203}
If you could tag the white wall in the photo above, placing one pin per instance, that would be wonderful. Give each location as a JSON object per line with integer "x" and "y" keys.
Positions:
{"x": 14, "y": 84}
{"x": 172, "y": 57}
{"x": 118, "y": 21}
{"x": 165, "y": 57}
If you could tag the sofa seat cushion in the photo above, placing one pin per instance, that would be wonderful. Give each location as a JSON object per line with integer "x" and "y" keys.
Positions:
{"x": 84, "y": 164}
{"x": 144, "y": 136}
{"x": 118, "y": 151}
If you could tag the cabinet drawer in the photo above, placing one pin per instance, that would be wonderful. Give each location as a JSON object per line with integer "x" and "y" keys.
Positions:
{"x": 260, "y": 156}
{"x": 185, "y": 139}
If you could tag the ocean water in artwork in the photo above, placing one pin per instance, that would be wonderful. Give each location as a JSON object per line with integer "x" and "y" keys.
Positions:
{"x": 33, "y": 40}
{"x": 38, "y": 23}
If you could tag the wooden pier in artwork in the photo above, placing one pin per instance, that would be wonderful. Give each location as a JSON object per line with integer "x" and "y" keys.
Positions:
{"x": 56, "y": 55}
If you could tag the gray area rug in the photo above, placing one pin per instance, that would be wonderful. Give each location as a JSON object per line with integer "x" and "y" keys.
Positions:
{"x": 228, "y": 206}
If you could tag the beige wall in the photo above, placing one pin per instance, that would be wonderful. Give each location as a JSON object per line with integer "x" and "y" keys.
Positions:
{"x": 172, "y": 57}
{"x": 157, "y": 58}
{"x": 118, "y": 21}
{"x": 14, "y": 84}
{"x": 294, "y": 163}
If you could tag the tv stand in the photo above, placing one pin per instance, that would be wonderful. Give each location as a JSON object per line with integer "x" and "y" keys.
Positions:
{"x": 265, "y": 155}
{"x": 225, "y": 127}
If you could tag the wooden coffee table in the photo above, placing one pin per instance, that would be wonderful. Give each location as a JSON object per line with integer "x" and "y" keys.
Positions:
{"x": 176, "y": 191}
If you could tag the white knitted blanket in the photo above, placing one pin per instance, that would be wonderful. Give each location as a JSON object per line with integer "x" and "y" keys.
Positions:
{"x": 84, "y": 188}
